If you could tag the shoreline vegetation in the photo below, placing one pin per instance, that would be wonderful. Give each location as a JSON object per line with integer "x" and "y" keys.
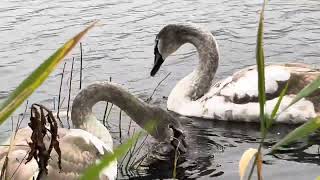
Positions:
{"x": 129, "y": 149}
{"x": 266, "y": 120}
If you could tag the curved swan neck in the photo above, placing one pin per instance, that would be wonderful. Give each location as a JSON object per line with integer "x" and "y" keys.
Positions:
{"x": 207, "y": 48}
{"x": 172, "y": 36}
{"x": 105, "y": 91}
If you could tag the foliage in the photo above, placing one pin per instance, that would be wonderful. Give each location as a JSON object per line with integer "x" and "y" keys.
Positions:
{"x": 266, "y": 120}
{"x": 37, "y": 77}
{"x": 93, "y": 171}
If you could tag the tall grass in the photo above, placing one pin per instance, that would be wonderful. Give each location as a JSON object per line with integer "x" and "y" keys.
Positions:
{"x": 93, "y": 171}
{"x": 33, "y": 81}
{"x": 37, "y": 77}
{"x": 266, "y": 120}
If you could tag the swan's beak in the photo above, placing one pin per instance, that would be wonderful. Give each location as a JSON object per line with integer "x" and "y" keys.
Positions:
{"x": 158, "y": 60}
{"x": 178, "y": 141}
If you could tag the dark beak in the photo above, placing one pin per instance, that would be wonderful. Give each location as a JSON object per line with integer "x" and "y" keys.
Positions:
{"x": 178, "y": 141}
{"x": 157, "y": 62}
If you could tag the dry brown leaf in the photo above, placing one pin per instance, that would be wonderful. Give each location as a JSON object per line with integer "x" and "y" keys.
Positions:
{"x": 259, "y": 166}
{"x": 245, "y": 160}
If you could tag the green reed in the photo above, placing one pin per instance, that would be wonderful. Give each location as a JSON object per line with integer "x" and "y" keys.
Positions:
{"x": 37, "y": 77}
{"x": 266, "y": 120}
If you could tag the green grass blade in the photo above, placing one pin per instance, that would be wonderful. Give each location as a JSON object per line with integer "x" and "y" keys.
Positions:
{"x": 261, "y": 82}
{"x": 306, "y": 91}
{"x": 260, "y": 68}
{"x": 93, "y": 171}
{"x": 276, "y": 107}
{"x": 37, "y": 77}
{"x": 300, "y": 132}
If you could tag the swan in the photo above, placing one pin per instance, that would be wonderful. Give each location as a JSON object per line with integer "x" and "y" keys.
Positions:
{"x": 85, "y": 144}
{"x": 234, "y": 98}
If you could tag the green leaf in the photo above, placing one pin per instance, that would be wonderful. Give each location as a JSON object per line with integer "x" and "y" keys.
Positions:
{"x": 300, "y": 132}
{"x": 37, "y": 77}
{"x": 306, "y": 91}
{"x": 260, "y": 68}
{"x": 261, "y": 83}
{"x": 276, "y": 107}
{"x": 93, "y": 171}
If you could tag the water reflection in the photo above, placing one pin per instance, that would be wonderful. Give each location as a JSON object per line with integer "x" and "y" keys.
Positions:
{"x": 123, "y": 49}
{"x": 213, "y": 150}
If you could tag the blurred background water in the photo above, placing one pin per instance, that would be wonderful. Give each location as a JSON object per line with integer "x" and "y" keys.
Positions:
{"x": 121, "y": 47}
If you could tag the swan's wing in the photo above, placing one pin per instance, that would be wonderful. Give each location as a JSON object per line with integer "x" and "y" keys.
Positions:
{"x": 82, "y": 150}
{"x": 242, "y": 87}
{"x": 236, "y": 97}
{"x": 79, "y": 150}
{"x": 16, "y": 168}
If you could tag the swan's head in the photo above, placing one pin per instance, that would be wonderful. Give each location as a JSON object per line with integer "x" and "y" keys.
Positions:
{"x": 168, "y": 40}
{"x": 168, "y": 129}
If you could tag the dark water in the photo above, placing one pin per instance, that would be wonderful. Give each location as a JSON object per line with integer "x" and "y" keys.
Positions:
{"x": 122, "y": 47}
{"x": 216, "y": 147}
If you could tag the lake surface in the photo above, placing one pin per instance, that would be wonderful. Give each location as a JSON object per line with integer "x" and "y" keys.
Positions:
{"x": 121, "y": 47}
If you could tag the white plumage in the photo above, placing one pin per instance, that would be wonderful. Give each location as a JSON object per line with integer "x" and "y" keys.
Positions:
{"x": 235, "y": 97}
{"x": 90, "y": 140}
{"x": 79, "y": 148}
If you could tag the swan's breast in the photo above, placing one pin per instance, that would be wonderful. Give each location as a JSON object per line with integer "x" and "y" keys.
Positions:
{"x": 79, "y": 150}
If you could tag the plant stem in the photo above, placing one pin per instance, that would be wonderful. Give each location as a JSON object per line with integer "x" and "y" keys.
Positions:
{"x": 80, "y": 65}
{"x": 69, "y": 97}
{"x": 59, "y": 97}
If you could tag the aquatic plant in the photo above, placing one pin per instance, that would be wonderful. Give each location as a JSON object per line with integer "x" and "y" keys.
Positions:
{"x": 37, "y": 77}
{"x": 266, "y": 120}
{"x": 33, "y": 81}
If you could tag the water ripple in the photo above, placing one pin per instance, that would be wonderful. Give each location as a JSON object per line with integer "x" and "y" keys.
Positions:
{"x": 122, "y": 47}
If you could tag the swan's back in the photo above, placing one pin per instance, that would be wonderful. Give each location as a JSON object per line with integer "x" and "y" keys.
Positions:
{"x": 242, "y": 86}
{"x": 79, "y": 150}
{"x": 236, "y": 97}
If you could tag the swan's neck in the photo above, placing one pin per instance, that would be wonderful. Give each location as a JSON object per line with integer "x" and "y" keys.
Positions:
{"x": 82, "y": 116}
{"x": 209, "y": 58}
{"x": 93, "y": 126}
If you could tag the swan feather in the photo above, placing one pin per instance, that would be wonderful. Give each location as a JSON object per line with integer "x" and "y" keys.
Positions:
{"x": 244, "y": 84}
{"x": 235, "y": 98}
{"x": 79, "y": 150}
